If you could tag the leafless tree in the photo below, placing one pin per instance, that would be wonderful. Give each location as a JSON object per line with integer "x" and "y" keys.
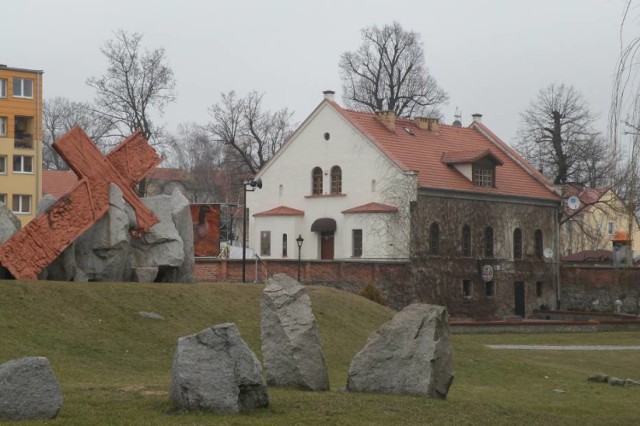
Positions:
{"x": 137, "y": 84}
{"x": 194, "y": 151}
{"x": 388, "y": 72}
{"x": 557, "y": 136}
{"x": 253, "y": 133}
{"x": 59, "y": 115}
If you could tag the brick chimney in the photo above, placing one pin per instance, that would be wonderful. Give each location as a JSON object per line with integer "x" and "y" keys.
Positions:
{"x": 427, "y": 123}
{"x": 477, "y": 118}
{"x": 328, "y": 94}
{"x": 388, "y": 118}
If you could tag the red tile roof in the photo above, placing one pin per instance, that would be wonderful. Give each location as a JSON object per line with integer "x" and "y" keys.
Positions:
{"x": 422, "y": 153}
{"x": 58, "y": 182}
{"x": 281, "y": 211}
{"x": 589, "y": 256}
{"x": 165, "y": 173}
{"x": 372, "y": 208}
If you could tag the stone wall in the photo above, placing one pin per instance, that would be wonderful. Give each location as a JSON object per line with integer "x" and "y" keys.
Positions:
{"x": 584, "y": 284}
{"x": 439, "y": 278}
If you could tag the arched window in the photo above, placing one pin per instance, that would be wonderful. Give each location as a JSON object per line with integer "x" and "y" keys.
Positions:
{"x": 336, "y": 180}
{"x": 537, "y": 248}
{"x": 488, "y": 242}
{"x": 434, "y": 239}
{"x": 517, "y": 243}
{"x": 316, "y": 181}
{"x": 466, "y": 240}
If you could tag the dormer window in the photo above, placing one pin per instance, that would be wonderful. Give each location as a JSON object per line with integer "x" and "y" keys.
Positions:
{"x": 477, "y": 166}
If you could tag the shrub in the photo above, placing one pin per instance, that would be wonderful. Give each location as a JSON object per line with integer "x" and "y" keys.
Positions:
{"x": 371, "y": 292}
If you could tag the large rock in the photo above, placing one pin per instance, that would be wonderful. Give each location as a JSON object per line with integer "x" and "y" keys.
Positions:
{"x": 291, "y": 344}
{"x": 411, "y": 354}
{"x": 215, "y": 370}
{"x": 9, "y": 223}
{"x": 29, "y": 390}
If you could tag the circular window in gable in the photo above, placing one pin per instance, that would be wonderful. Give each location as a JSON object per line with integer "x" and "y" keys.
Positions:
{"x": 327, "y": 136}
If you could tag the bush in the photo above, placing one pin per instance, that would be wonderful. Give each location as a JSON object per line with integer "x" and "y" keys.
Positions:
{"x": 371, "y": 292}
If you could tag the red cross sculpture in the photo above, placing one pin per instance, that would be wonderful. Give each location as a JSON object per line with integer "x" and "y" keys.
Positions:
{"x": 43, "y": 239}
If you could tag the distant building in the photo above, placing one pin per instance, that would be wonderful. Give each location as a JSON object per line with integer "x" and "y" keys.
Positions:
{"x": 20, "y": 140}
{"x": 477, "y": 222}
{"x": 591, "y": 219}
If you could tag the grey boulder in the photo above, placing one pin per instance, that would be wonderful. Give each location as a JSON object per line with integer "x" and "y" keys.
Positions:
{"x": 215, "y": 370}
{"x": 9, "y": 223}
{"x": 291, "y": 344}
{"x": 28, "y": 390}
{"x": 410, "y": 354}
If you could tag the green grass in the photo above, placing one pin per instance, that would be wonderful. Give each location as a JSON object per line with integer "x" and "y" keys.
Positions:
{"x": 114, "y": 365}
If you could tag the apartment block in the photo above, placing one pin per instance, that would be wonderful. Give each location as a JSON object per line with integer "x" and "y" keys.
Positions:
{"x": 21, "y": 140}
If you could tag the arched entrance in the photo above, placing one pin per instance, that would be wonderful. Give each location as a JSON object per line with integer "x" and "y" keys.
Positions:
{"x": 326, "y": 228}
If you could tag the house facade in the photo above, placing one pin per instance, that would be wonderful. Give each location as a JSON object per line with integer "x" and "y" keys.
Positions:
{"x": 477, "y": 222}
{"x": 20, "y": 140}
{"x": 591, "y": 222}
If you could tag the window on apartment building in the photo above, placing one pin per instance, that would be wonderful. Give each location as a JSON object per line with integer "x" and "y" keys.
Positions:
{"x": 3, "y": 87}
{"x": 316, "y": 181}
{"x": 265, "y": 243}
{"x": 610, "y": 228}
{"x": 467, "y": 289}
{"x": 538, "y": 243}
{"x": 434, "y": 238}
{"x": 284, "y": 245}
{"x": 517, "y": 243}
{"x": 466, "y": 240}
{"x": 21, "y": 203}
{"x": 483, "y": 176}
{"x": 3, "y": 126}
{"x": 489, "y": 289}
{"x": 22, "y": 87}
{"x": 336, "y": 180}
{"x": 22, "y": 164}
{"x": 3, "y": 164}
{"x": 488, "y": 242}
{"x": 356, "y": 237}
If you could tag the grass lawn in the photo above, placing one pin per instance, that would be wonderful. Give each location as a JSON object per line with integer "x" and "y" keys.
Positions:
{"x": 114, "y": 365}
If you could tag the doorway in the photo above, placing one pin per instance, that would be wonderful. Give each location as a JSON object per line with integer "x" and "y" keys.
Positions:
{"x": 518, "y": 291}
{"x": 326, "y": 245}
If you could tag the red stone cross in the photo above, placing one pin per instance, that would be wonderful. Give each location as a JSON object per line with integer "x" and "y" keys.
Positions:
{"x": 43, "y": 239}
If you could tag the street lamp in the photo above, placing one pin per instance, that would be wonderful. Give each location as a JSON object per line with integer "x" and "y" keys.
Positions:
{"x": 253, "y": 183}
{"x": 299, "y": 241}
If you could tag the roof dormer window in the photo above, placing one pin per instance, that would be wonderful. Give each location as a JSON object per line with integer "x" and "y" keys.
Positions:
{"x": 484, "y": 176}
{"x": 477, "y": 166}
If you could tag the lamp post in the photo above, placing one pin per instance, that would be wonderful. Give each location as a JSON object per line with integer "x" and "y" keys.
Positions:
{"x": 299, "y": 241}
{"x": 253, "y": 183}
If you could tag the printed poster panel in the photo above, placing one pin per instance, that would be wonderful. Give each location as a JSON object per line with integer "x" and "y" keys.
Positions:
{"x": 206, "y": 229}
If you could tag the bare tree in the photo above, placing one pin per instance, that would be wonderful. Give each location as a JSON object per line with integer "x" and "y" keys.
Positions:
{"x": 59, "y": 115}
{"x": 194, "y": 151}
{"x": 253, "y": 134}
{"x": 137, "y": 84}
{"x": 557, "y": 137}
{"x": 388, "y": 72}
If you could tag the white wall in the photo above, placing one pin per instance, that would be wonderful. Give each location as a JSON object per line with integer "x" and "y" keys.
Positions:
{"x": 287, "y": 182}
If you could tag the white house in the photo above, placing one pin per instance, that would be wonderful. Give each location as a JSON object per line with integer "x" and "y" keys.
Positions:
{"x": 330, "y": 184}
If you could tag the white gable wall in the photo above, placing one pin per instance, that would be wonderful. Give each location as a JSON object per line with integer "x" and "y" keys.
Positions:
{"x": 367, "y": 176}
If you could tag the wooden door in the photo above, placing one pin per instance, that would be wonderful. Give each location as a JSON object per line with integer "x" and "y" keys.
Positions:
{"x": 326, "y": 245}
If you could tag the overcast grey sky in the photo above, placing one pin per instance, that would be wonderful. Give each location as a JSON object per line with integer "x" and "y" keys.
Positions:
{"x": 491, "y": 56}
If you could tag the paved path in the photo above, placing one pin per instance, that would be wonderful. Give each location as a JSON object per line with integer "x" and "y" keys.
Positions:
{"x": 566, "y": 348}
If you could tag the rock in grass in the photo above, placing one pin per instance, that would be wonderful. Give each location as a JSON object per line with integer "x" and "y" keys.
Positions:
{"x": 411, "y": 354}
{"x": 598, "y": 378}
{"x": 29, "y": 390}
{"x": 615, "y": 381}
{"x": 291, "y": 344}
{"x": 215, "y": 370}
{"x": 630, "y": 382}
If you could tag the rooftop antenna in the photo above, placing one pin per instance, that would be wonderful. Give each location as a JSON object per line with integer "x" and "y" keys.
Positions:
{"x": 457, "y": 115}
